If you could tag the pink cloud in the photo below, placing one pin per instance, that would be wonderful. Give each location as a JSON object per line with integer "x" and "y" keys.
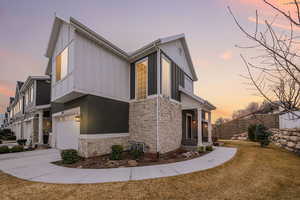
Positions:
{"x": 278, "y": 25}
{"x": 227, "y": 55}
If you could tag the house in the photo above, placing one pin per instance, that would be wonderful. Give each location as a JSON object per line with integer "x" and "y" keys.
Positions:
{"x": 2, "y": 120}
{"x": 30, "y": 111}
{"x": 102, "y": 95}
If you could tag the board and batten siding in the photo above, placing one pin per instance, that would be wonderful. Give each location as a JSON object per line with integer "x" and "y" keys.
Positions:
{"x": 100, "y": 72}
{"x": 65, "y": 39}
{"x": 175, "y": 51}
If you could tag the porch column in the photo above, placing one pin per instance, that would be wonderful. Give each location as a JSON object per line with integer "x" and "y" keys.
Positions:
{"x": 41, "y": 139}
{"x": 209, "y": 128}
{"x": 199, "y": 127}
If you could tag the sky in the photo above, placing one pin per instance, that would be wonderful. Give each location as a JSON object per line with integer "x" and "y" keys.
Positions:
{"x": 209, "y": 29}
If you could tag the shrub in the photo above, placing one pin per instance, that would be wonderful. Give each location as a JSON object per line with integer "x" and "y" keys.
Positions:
{"x": 17, "y": 148}
{"x": 136, "y": 153}
{"x": 262, "y": 135}
{"x": 116, "y": 152}
{"x": 209, "y": 148}
{"x": 22, "y": 141}
{"x": 0, "y": 141}
{"x": 69, "y": 156}
{"x": 201, "y": 149}
{"x": 11, "y": 137}
{"x": 251, "y": 132}
{"x": 4, "y": 149}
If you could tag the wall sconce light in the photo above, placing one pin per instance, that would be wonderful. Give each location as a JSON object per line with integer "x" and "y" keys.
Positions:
{"x": 77, "y": 118}
{"x": 194, "y": 121}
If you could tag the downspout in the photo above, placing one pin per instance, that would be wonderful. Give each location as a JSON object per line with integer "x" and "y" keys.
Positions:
{"x": 157, "y": 102}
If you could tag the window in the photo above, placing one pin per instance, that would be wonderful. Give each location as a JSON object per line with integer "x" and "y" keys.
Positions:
{"x": 62, "y": 64}
{"x": 31, "y": 93}
{"x": 141, "y": 79}
{"x": 166, "y": 77}
{"x": 21, "y": 104}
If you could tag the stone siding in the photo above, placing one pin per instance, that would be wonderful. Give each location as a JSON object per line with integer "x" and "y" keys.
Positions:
{"x": 96, "y": 147}
{"x": 169, "y": 125}
{"x": 143, "y": 122}
{"x": 238, "y": 126}
{"x": 287, "y": 138}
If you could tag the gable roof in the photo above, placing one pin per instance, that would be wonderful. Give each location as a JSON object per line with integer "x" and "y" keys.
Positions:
{"x": 79, "y": 27}
{"x": 30, "y": 79}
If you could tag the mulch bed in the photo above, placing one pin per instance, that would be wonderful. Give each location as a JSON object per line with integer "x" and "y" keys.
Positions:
{"x": 102, "y": 162}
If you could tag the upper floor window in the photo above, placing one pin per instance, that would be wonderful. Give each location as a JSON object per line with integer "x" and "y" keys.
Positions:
{"x": 166, "y": 76}
{"x": 62, "y": 64}
{"x": 141, "y": 79}
{"x": 31, "y": 93}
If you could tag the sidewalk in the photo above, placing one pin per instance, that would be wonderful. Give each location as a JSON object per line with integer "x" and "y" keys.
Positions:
{"x": 36, "y": 166}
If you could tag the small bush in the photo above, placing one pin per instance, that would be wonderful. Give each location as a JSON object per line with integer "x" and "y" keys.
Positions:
{"x": 136, "y": 153}
{"x": 116, "y": 152}
{"x": 201, "y": 149}
{"x": 69, "y": 156}
{"x": 0, "y": 141}
{"x": 209, "y": 148}
{"x": 262, "y": 135}
{"x": 11, "y": 137}
{"x": 251, "y": 132}
{"x": 4, "y": 149}
{"x": 22, "y": 141}
{"x": 17, "y": 148}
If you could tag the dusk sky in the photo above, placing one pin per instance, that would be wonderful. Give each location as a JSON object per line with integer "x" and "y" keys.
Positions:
{"x": 210, "y": 32}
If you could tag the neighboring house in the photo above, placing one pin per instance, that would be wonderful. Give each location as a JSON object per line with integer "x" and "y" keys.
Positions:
{"x": 102, "y": 95}
{"x": 289, "y": 120}
{"x": 30, "y": 112}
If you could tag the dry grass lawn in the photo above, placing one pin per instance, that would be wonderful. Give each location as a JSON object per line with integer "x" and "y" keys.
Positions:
{"x": 254, "y": 173}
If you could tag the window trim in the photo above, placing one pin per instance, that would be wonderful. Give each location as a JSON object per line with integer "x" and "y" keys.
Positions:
{"x": 170, "y": 73}
{"x": 186, "y": 126}
{"x": 135, "y": 77}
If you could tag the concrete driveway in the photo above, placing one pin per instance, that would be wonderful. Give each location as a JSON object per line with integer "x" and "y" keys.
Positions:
{"x": 36, "y": 166}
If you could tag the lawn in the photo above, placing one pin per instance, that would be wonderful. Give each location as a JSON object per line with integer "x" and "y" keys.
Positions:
{"x": 254, "y": 173}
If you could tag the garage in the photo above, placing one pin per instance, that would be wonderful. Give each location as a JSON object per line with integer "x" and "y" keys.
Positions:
{"x": 67, "y": 131}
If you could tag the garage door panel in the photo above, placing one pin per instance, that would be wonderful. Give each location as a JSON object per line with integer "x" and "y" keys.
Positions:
{"x": 67, "y": 133}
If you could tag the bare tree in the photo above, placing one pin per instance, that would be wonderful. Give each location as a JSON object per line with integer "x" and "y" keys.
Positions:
{"x": 275, "y": 72}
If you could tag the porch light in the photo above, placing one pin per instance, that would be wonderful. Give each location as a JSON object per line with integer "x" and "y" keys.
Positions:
{"x": 194, "y": 121}
{"x": 77, "y": 118}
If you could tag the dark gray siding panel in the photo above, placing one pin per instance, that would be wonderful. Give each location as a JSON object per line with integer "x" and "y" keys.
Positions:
{"x": 98, "y": 115}
{"x": 152, "y": 74}
{"x": 43, "y": 89}
{"x": 132, "y": 81}
{"x": 106, "y": 116}
{"x": 176, "y": 77}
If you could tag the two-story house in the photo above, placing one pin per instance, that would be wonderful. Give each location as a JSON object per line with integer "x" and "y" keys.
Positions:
{"x": 30, "y": 110}
{"x": 102, "y": 95}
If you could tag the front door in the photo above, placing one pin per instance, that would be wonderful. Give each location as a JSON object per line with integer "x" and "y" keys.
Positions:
{"x": 189, "y": 126}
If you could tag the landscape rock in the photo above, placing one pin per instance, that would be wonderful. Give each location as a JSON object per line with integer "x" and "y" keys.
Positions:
{"x": 132, "y": 163}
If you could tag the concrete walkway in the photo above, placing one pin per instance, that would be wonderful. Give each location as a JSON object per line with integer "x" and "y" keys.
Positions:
{"x": 36, "y": 166}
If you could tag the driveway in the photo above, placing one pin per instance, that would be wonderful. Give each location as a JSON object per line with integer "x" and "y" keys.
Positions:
{"x": 36, "y": 166}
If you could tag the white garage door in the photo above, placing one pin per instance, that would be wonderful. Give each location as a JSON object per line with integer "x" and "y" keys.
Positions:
{"x": 67, "y": 132}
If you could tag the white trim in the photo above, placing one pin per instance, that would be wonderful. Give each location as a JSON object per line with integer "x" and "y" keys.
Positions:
{"x": 73, "y": 111}
{"x": 102, "y": 136}
{"x": 186, "y": 123}
{"x": 135, "y": 82}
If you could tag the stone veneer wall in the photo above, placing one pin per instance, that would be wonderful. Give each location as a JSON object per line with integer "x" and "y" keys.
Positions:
{"x": 287, "y": 138}
{"x": 96, "y": 147}
{"x": 143, "y": 124}
{"x": 169, "y": 125}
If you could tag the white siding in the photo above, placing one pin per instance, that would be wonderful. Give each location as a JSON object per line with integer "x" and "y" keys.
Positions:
{"x": 188, "y": 84}
{"x": 100, "y": 72}
{"x": 176, "y": 52}
{"x": 66, "y": 85}
{"x": 289, "y": 120}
